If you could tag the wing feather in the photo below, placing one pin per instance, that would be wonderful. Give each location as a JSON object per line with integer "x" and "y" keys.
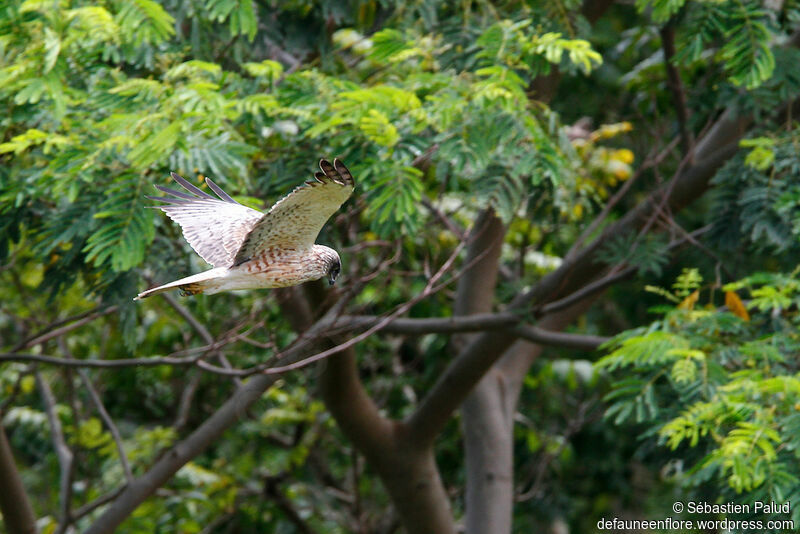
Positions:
{"x": 296, "y": 220}
{"x": 190, "y": 186}
{"x": 214, "y": 227}
{"x": 218, "y": 190}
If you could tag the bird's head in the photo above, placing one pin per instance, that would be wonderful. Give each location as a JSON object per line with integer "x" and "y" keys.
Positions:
{"x": 333, "y": 270}
{"x": 326, "y": 264}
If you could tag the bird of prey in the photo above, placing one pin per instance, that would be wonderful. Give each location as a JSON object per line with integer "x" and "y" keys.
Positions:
{"x": 250, "y": 249}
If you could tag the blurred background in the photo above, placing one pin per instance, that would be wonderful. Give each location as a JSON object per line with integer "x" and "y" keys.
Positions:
{"x": 631, "y": 165}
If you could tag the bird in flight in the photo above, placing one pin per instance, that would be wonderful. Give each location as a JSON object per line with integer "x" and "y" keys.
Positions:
{"x": 250, "y": 249}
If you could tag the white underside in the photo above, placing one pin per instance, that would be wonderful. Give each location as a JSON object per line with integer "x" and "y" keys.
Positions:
{"x": 232, "y": 279}
{"x": 294, "y": 269}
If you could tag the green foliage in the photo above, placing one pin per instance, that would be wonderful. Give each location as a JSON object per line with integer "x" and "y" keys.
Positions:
{"x": 432, "y": 105}
{"x": 689, "y": 280}
{"x": 388, "y": 44}
{"x": 761, "y": 156}
{"x": 757, "y": 196}
{"x": 144, "y": 21}
{"x": 394, "y": 201}
{"x": 125, "y": 230}
{"x": 745, "y": 31}
{"x": 646, "y": 252}
{"x": 719, "y": 384}
{"x": 661, "y": 10}
{"x": 192, "y": 116}
{"x": 509, "y": 43}
{"x": 104, "y": 99}
{"x": 239, "y": 14}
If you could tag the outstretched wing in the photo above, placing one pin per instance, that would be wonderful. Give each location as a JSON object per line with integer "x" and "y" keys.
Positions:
{"x": 296, "y": 219}
{"x": 214, "y": 227}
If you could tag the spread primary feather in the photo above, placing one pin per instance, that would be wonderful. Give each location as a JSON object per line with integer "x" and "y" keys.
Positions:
{"x": 250, "y": 249}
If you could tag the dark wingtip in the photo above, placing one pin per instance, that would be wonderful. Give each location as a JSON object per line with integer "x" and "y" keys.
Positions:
{"x": 344, "y": 172}
{"x": 218, "y": 190}
{"x": 189, "y": 186}
{"x": 336, "y": 171}
{"x": 326, "y": 167}
{"x": 174, "y": 193}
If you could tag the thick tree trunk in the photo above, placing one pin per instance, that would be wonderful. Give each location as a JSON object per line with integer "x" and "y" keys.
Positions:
{"x": 18, "y": 516}
{"x": 488, "y": 415}
{"x": 489, "y": 456}
{"x": 407, "y": 469}
{"x": 411, "y": 477}
{"x": 486, "y": 444}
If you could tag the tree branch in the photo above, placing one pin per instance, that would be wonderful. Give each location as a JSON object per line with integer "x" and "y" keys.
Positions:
{"x": 432, "y": 325}
{"x": 98, "y": 502}
{"x": 185, "y": 403}
{"x": 101, "y": 409}
{"x": 99, "y": 364}
{"x": 109, "y": 422}
{"x": 280, "y": 54}
{"x": 191, "y": 446}
{"x": 273, "y": 491}
{"x": 587, "y": 290}
{"x": 486, "y": 430}
{"x": 676, "y": 87}
{"x": 63, "y": 453}
{"x": 181, "y": 453}
{"x": 541, "y": 336}
{"x": 52, "y": 332}
{"x": 15, "y": 505}
{"x": 476, "y": 358}
{"x": 335, "y": 324}
{"x": 200, "y": 329}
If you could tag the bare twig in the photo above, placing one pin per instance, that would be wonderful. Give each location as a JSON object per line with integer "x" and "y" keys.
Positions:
{"x": 381, "y": 324}
{"x": 112, "y": 428}
{"x": 676, "y": 87}
{"x": 445, "y": 220}
{"x": 101, "y": 364}
{"x": 217, "y": 522}
{"x": 101, "y": 409}
{"x": 614, "y": 200}
{"x": 587, "y": 291}
{"x": 52, "y": 332}
{"x": 63, "y": 453}
{"x": 574, "y": 425}
{"x": 98, "y": 502}
{"x": 559, "y": 339}
{"x": 185, "y": 404}
{"x": 273, "y": 491}
{"x": 431, "y": 325}
{"x": 200, "y": 329}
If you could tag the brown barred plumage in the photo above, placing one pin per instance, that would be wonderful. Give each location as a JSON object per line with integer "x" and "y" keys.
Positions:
{"x": 250, "y": 249}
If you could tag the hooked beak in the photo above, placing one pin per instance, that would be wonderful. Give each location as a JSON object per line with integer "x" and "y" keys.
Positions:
{"x": 331, "y": 279}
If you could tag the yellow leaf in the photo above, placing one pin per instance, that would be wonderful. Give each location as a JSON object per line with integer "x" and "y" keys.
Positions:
{"x": 27, "y": 384}
{"x": 736, "y": 306}
{"x": 689, "y": 302}
{"x": 624, "y": 155}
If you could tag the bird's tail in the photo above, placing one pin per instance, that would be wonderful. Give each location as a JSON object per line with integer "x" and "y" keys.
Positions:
{"x": 191, "y": 285}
